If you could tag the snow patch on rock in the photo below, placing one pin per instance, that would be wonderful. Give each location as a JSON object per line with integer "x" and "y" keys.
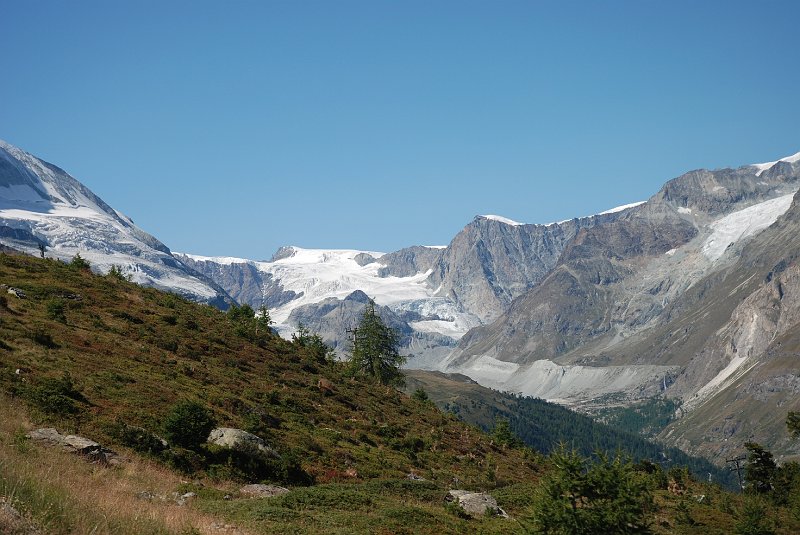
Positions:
{"x": 743, "y": 224}
{"x": 621, "y": 208}
{"x": 501, "y": 219}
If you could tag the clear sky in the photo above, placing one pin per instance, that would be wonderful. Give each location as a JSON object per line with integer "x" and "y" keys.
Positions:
{"x": 231, "y": 128}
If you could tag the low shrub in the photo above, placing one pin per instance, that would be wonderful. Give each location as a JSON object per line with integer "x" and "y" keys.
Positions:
{"x": 56, "y": 396}
{"x": 188, "y": 424}
{"x": 55, "y": 310}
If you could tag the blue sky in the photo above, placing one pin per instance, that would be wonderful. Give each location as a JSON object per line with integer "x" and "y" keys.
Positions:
{"x": 231, "y": 128}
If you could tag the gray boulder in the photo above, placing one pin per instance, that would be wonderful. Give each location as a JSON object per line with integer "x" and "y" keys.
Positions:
{"x": 240, "y": 440}
{"x": 475, "y": 504}
{"x": 47, "y": 435}
{"x": 71, "y": 443}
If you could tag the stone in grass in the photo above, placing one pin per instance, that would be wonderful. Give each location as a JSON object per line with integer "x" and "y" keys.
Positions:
{"x": 240, "y": 440}
{"x": 88, "y": 448}
{"x": 475, "y": 504}
{"x": 262, "y": 491}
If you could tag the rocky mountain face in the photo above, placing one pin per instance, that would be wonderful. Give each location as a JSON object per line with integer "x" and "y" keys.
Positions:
{"x": 243, "y": 281}
{"x": 491, "y": 262}
{"x": 743, "y": 378}
{"x": 409, "y": 261}
{"x": 41, "y": 206}
{"x": 683, "y": 296}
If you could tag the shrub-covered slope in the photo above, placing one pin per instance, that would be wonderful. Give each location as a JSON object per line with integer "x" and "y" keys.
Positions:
{"x": 100, "y": 355}
{"x": 544, "y": 426}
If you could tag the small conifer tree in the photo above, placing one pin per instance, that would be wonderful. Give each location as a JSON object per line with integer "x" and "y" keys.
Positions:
{"x": 504, "y": 436}
{"x": 761, "y": 468}
{"x": 374, "y": 350}
{"x": 313, "y": 344}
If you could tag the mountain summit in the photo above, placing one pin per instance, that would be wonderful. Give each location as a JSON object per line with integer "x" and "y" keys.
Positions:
{"x": 42, "y": 206}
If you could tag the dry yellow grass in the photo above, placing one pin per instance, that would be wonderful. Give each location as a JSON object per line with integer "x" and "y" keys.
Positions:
{"x": 62, "y": 493}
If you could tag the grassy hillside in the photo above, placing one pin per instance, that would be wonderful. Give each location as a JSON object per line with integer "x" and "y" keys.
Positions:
{"x": 106, "y": 359}
{"x": 131, "y": 353}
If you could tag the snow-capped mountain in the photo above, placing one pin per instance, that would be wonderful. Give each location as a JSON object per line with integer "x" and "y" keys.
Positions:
{"x": 296, "y": 282}
{"x": 42, "y": 205}
{"x": 693, "y": 294}
{"x": 435, "y": 294}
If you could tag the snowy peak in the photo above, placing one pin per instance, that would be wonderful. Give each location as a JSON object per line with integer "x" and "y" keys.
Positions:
{"x": 768, "y": 165}
{"x": 36, "y": 184}
{"x": 42, "y": 205}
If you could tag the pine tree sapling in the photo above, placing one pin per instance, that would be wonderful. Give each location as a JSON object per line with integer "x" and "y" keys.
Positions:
{"x": 420, "y": 395}
{"x": 754, "y": 519}
{"x": 504, "y": 436}
{"x": 263, "y": 320}
{"x": 249, "y": 324}
{"x": 314, "y": 345}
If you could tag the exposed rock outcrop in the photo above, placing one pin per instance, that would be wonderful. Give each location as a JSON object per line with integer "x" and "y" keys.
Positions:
{"x": 409, "y": 261}
{"x": 243, "y": 281}
{"x": 88, "y": 448}
{"x": 489, "y": 263}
